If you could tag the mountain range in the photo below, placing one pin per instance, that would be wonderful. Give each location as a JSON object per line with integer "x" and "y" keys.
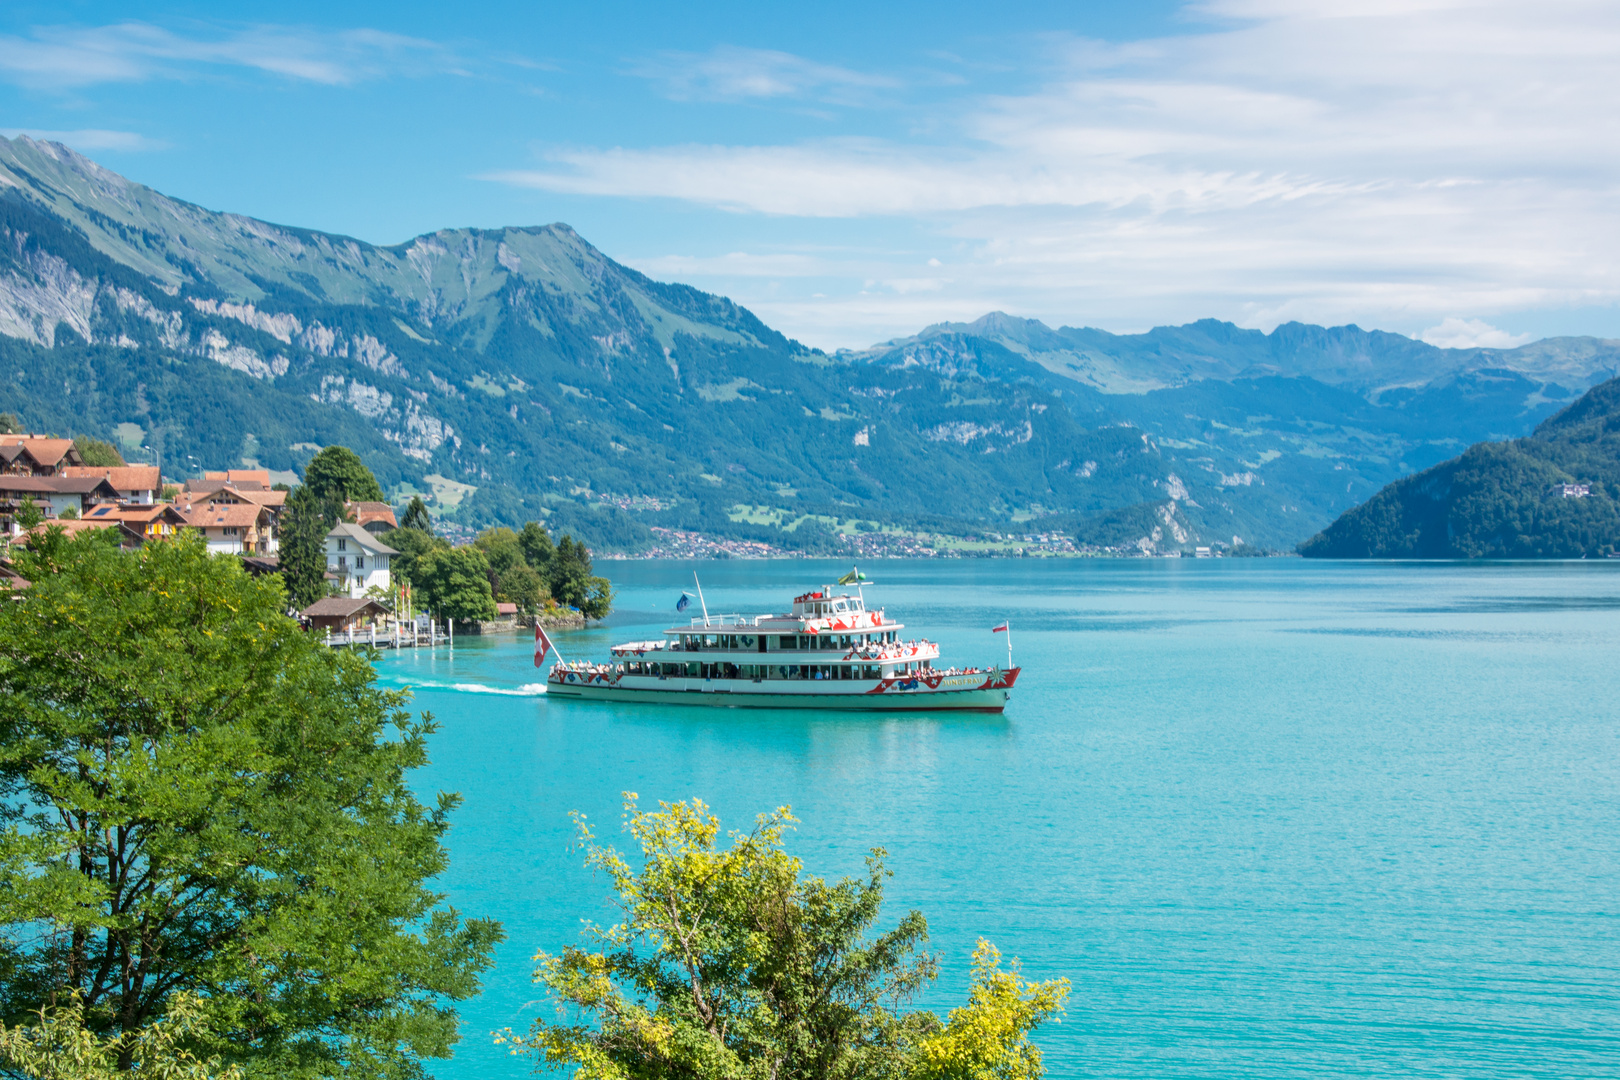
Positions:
{"x": 519, "y": 373}
{"x": 1551, "y": 495}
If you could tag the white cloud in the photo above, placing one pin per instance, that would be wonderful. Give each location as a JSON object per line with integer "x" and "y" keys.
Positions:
{"x": 63, "y": 57}
{"x": 729, "y": 73}
{"x": 1388, "y": 163}
{"x": 90, "y": 139}
{"x": 1455, "y": 333}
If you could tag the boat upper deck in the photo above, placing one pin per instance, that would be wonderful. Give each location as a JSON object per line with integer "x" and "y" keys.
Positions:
{"x": 813, "y": 613}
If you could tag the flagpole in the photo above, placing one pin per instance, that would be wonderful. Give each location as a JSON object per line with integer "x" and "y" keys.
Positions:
{"x": 701, "y": 601}
{"x": 551, "y": 646}
{"x": 1009, "y": 644}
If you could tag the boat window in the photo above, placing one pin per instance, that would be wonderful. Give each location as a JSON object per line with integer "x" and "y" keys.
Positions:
{"x": 785, "y": 642}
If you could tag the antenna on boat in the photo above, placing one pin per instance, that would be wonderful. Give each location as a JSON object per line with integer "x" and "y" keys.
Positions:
{"x": 701, "y": 601}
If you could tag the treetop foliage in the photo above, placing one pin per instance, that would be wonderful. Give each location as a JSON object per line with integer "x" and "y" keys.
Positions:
{"x": 98, "y": 452}
{"x": 338, "y": 473}
{"x": 730, "y": 962}
{"x": 417, "y": 517}
{"x": 520, "y": 567}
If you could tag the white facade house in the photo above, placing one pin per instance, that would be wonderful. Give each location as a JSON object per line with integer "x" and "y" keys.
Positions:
{"x": 357, "y": 559}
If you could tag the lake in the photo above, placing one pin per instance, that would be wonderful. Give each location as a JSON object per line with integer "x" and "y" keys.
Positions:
{"x": 1272, "y": 817}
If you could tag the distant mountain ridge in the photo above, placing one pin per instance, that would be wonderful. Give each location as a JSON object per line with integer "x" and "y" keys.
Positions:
{"x": 1554, "y": 495}
{"x": 515, "y": 373}
{"x": 1367, "y": 361}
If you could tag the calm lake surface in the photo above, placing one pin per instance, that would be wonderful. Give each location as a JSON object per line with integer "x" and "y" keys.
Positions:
{"x": 1272, "y": 817}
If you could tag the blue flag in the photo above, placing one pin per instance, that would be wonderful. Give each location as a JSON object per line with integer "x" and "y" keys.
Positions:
{"x": 681, "y": 604}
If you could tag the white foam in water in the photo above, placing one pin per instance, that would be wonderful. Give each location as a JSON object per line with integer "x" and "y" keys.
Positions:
{"x": 526, "y": 690}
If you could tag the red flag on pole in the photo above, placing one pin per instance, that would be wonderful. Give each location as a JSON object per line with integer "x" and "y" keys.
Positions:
{"x": 542, "y": 645}
{"x": 998, "y": 629}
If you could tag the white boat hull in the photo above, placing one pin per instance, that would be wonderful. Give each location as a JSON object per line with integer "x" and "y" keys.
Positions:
{"x": 977, "y": 692}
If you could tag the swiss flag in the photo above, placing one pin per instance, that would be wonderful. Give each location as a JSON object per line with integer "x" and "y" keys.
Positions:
{"x": 542, "y": 645}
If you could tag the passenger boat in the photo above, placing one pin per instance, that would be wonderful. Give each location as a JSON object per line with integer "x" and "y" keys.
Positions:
{"x": 829, "y": 652}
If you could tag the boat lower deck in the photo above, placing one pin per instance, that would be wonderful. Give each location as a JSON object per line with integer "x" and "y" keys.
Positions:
{"x": 972, "y": 692}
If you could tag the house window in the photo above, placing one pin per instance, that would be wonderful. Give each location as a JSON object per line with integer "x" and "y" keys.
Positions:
{"x": 359, "y": 562}
{"x": 343, "y": 545}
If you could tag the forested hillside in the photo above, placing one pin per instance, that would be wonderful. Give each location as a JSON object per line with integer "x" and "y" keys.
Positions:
{"x": 517, "y": 374}
{"x": 1506, "y": 500}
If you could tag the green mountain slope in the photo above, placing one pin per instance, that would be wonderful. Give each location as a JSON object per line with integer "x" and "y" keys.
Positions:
{"x": 1500, "y": 500}
{"x": 512, "y": 373}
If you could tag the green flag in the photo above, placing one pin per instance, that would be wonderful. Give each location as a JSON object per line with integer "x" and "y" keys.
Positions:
{"x": 853, "y": 577}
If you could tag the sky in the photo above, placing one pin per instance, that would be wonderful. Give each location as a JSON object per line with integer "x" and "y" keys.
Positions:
{"x": 853, "y": 172}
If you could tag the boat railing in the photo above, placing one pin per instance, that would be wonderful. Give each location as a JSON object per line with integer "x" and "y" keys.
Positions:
{"x": 733, "y": 619}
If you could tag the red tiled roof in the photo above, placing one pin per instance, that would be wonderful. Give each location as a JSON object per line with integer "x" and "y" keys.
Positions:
{"x": 367, "y": 512}
{"x": 220, "y": 515}
{"x": 44, "y": 451}
{"x": 124, "y": 478}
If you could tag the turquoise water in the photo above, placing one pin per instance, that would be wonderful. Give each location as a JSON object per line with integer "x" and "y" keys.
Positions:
{"x": 1273, "y": 818}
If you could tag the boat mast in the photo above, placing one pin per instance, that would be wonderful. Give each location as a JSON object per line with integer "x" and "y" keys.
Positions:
{"x": 701, "y": 601}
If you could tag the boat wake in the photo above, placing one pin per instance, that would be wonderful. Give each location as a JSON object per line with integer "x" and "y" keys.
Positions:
{"x": 526, "y": 690}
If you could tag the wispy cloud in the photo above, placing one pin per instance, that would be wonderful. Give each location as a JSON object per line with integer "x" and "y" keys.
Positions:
{"x": 1388, "y": 162}
{"x": 89, "y": 140}
{"x": 1457, "y": 333}
{"x": 69, "y": 57}
{"x": 729, "y": 73}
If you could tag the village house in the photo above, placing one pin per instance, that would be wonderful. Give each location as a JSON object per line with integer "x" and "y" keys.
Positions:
{"x": 357, "y": 560}
{"x": 340, "y": 614}
{"x": 141, "y": 484}
{"x": 200, "y": 497}
{"x": 157, "y": 521}
{"x": 233, "y": 528}
{"x": 52, "y": 495}
{"x": 36, "y": 455}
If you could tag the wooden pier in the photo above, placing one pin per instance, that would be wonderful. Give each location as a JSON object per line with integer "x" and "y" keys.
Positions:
{"x": 395, "y": 637}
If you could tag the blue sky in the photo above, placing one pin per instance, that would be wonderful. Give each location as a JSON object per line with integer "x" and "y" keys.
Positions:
{"x": 853, "y": 172}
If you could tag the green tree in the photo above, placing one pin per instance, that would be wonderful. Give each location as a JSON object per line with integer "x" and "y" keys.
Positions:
{"x": 412, "y": 545}
{"x": 988, "y": 1038}
{"x": 454, "y": 583}
{"x": 98, "y": 452}
{"x": 570, "y": 580}
{"x": 537, "y": 547}
{"x": 728, "y": 962}
{"x": 500, "y": 546}
{"x": 10, "y": 425}
{"x": 63, "y": 1046}
{"x": 29, "y": 515}
{"x": 416, "y": 516}
{"x": 198, "y": 798}
{"x": 305, "y": 521}
{"x": 523, "y": 586}
{"x": 338, "y": 473}
{"x": 69, "y": 513}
